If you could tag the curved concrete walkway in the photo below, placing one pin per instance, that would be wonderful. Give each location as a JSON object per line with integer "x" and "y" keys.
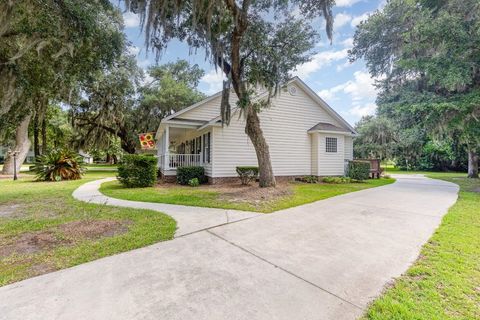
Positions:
{"x": 189, "y": 219}
{"x": 324, "y": 260}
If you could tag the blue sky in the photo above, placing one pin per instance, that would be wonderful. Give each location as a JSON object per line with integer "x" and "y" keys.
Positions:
{"x": 347, "y": 87}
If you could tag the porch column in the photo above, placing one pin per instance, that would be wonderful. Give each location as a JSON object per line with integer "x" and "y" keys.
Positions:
{"x": 167, "y": 147}
{"x": 160, "y": 153}
{"x": 201, "y": 149}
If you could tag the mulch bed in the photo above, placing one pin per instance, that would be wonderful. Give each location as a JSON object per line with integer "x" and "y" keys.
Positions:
{"x": 239, "y": 193}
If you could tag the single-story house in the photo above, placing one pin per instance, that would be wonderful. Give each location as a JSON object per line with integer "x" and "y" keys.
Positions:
{"x": 86, "y": 157}
{"x": 305, "y": 136}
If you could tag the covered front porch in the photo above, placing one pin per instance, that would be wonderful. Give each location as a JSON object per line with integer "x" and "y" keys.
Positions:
{"x": 182, "y": 143}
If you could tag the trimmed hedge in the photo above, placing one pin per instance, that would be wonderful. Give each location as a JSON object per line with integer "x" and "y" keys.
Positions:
{"x": 247, "y": 174}
{"x": 185, "y": 174}
{"x": 359, "y": 170}
{"x": 137, "y": 171}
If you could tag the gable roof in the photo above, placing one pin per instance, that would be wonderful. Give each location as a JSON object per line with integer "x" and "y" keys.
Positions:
{"x": 324, "y": 126}
{"x": 295, "y": 79}
{"x": 193, "y": 106}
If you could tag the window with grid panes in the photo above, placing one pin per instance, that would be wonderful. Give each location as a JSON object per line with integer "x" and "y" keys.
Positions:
{"x": 330, "y": 144}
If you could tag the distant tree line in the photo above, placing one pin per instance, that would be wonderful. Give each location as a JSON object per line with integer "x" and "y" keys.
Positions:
{"x": 67, "y": 79}
{"x": 426, "y": 55}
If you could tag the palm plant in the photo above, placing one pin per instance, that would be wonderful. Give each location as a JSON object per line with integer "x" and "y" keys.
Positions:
{"x": 59, "y": 165}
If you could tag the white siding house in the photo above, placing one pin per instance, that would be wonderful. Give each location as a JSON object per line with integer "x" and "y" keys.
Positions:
{"x": 304, "y": 134}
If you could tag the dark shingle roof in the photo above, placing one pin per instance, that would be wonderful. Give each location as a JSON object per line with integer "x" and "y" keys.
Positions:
{"x": 327, "y": 127}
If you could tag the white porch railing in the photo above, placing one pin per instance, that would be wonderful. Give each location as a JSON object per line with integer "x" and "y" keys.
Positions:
{"x": 180, "y": 160}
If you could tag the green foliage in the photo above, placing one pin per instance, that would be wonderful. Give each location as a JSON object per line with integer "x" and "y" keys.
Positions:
{"x": 174, "y": 87}
{"x": 117, "y": 106}
{"x": 59, "y": 165}
{"x": 137, "y": 171}
{"x": 247, "y": 174}
{"x": 185, "y": 174}
{"x": 378, "y": 137}
{"x": 309, "y": 179}
{"x": 358, "y": 170}
{"x": 426, "y": 54}
{"x": 194, "y": 182}
{"x": 436, "y": 155}
{"x": 108, "y": 110}
{"x": 337, "y": 180}
{"x": 48, "y": 47}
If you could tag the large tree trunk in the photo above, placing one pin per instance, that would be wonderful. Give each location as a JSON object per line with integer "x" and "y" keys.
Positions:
{"x": 44, "y": 135}
{"x": 8, "y": 91}
{"x": 22, "y": 145}
{"x": 125, "y": 142}
{"x": 255, "y": 133}
{"x": 36, "y": 136}
{"x": 236, "y": 72}
{"x": 472, "y": 164}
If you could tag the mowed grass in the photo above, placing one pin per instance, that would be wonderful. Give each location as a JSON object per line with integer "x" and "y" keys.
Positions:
{"x": 37, "y": 209}
{"x": 302, "y": 193}
{"x": 444, "y": 283}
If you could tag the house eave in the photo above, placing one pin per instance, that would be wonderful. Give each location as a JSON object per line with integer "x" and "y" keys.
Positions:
{"x": 343, "y": 133}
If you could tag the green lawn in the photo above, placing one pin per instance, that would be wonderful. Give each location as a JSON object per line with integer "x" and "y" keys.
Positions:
{"x": 444, "y": 283}
{"x": 42, "y": 228}
{"x": 302, "y": 193}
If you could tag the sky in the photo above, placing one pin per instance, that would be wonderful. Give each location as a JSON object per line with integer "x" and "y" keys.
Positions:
{"x": 346, "y": 87}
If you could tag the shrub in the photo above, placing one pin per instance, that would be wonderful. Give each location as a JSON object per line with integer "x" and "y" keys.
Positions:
{"x": 185, "y": 174}
{"x": 358, "y": 170}
{"x": 336, "y": 180}
{"x": 310, "y": 179}
{"x": 137, "y": 171}
{"x": 193, "y": 182}
{"x": 247, "y": 174}
{"x": 59, "y": 165}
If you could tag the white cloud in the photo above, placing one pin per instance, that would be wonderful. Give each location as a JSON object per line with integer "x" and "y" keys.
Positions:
{"x": 362, "y": 87}
{"x": 344, "y": 65}
{"x": 356, "y": 20}
{"x": 345, "y": 3}
{"x": 319, "y": 61}
{"x": 131, "y": 20}
{"x": 363, "y": 110}
{"x": 359, "y": 89}
{"x": 341, "y": 19}
{"x": 214, "y": 80}
{"x": 329, "y": 94}
{"x": 347, "y": 43}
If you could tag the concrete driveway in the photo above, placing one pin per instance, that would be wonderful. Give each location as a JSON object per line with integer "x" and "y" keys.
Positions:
{"x": 324, "y": 260}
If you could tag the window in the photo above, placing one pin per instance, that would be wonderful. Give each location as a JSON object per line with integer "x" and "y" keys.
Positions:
{"x": 206, "y": 147}
{"x": 330, "y": 144}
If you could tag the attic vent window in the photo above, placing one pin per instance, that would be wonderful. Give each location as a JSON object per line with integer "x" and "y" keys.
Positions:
{"x": 330, "y": 144}
{"x": 292, "y": 90}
